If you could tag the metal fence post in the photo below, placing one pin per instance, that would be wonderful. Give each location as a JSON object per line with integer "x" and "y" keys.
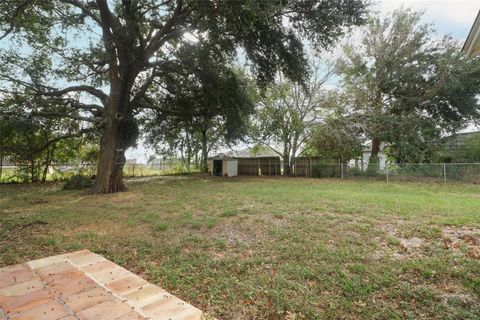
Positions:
{"x": 444, "y": 173}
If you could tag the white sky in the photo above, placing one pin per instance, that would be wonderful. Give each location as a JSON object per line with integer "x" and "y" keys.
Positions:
{"x": 454, "y": 17}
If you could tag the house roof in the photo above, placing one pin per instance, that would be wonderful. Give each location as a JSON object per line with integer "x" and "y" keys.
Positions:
{"x": 472, "y": 45}
{"x": 244, "y": 153}
{"x": 453, "y": 141}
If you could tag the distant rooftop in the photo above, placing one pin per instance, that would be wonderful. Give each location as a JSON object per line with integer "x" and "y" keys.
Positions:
{"x": 245, "y": 153}
{"x": 455, "y": 140}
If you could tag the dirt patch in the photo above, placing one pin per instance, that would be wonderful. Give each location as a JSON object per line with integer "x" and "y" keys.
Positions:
{"x": 144, "y": 179}
{"x": 248, "y": 208}
{"x": 234, "y": 236}
{"x": 240, "y": 241}
{"x": 116, "y": 198}
{"x": 464, "y": 240}
{"x": 460, "y": 240}
{"x": 394, "y": 245}
{"x": 454, "y": 292}
{"x": 411, "y": 243}
{"x": 39, "y": 201}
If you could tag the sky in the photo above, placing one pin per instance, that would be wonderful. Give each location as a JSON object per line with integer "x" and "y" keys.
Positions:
{"x": 454, "y": 17}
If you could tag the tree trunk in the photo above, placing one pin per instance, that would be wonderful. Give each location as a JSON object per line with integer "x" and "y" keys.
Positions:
{"x": 286, "y": 160}
{"x": 109, "y": 178}
{"x": 204, "y": 152}
{"x": 286, "y": 164}
{"x": 32, "y": 170}
{"x": 48, "y": 161}
{"x": 342, "y": 167}
{"x": 373, "y": 165}
{"x": 1, "y": 166}
{"x": 45, "y": 172}
{"x": 293, "y": 152}
{"x": 189, "y": 152}
{"x": 195, "y": 159}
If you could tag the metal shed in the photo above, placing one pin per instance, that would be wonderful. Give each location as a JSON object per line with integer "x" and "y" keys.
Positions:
{"x": 223, "y": 167}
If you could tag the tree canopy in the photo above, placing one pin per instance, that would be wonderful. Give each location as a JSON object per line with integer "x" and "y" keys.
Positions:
{"x": 286, "y": 113}
{"x": 338, "y": 136}
{"x": 203, "y": 104}
{"x": 99, "y": 58}
{"x": 408, "y": 88}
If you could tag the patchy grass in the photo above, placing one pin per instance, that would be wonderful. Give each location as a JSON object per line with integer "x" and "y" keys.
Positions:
{"x": 278, "y": 248}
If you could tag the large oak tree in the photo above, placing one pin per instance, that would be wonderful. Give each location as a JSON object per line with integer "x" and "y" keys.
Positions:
{"x": 407, "y": 87}
{"x": 101, "y": 56}
{"x": 205, "y": 103}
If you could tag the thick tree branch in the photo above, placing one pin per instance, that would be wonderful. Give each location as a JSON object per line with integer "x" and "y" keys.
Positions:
{"x": 140, "y": 93}
{"x": 67, "y": 115}
{"x": 82, "y": 88}
{"x": 69, "y": 135}
{"x": 110, "y": 44}
{"x": 167, "y": 31}
{"x": 84, "y": 8}
{"x": 54, "y": 114}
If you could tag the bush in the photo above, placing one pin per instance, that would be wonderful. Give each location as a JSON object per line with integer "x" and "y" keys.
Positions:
{"x": 78, "y": 181}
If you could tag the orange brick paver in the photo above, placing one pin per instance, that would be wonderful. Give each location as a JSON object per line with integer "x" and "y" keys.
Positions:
{"x": 85, "y": 286}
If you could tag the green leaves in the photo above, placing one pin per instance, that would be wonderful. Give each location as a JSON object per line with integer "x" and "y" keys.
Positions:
{"x": 201, "y": 105}
{"x": 136, "y": 47}
{"x": 407, "y": 87}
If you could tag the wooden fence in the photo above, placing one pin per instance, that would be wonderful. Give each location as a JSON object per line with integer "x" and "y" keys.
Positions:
{"x": 265, "y": 166}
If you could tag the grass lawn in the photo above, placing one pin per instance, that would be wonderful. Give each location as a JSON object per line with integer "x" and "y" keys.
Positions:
{"x": 270, "y": 248}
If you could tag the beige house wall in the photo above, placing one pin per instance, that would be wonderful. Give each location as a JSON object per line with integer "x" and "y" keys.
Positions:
{"x": 472, "y": 45}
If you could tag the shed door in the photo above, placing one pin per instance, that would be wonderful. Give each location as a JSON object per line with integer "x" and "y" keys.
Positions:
{"x": 217, "y": 167}
{"x": 232, "y": 168}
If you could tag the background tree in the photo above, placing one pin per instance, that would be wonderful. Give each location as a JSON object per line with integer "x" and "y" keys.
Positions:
{"x": 339, "y": 135}
{"x": 413, "y": 139}
{"x": 34, "y": 142}
{"x": 130, "y": 43}
{"x": 285, "y": 114}
{"x": 25, "y": 143}
{"x": 469, "y": 151}
{"x": 205, "y": 103}
{"x": 398, "y": 73}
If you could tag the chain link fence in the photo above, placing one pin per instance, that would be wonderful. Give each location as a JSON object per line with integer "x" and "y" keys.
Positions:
{"x": 21, "y": 173}
{"x": 464, "y": 172}
{"x": 303, "y": 167}
{"x": 313, "y": 168}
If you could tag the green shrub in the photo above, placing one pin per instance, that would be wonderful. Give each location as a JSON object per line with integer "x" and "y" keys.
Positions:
{"x": 78, "y": 181}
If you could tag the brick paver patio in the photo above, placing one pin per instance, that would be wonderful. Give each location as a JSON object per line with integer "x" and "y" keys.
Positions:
{"x": 84, "y": 285}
